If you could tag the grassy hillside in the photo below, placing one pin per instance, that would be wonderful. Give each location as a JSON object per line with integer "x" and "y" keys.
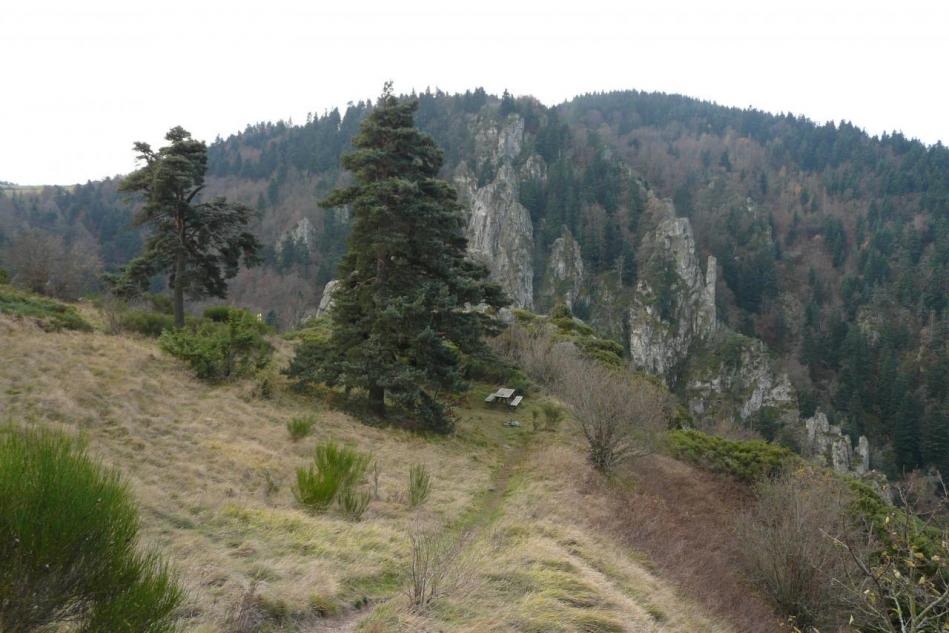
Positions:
{"x": 212, "y": 469}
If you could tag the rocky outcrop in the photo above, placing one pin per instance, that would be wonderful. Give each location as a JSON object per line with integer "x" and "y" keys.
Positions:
{"x": 302, "y": 233}
{"x": 660, "y": 338}
{"x": 826, "y": 443}
{"x": 732, "y": 376}
{"x": 326, "y": 300}
{"x": 499, "y": 228}
{"x": 564, "y": 275}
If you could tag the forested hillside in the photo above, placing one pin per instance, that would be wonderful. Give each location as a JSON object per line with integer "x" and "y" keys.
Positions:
{"x": 832, "y": 246}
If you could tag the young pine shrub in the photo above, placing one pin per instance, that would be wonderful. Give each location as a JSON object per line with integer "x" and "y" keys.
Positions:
{"x": 552, "y": 416}
{"x": 420, "y": 485}
{"x": 220, "y": 350}
{"x": 353, "y": 503}
{"x": 300, "y": 427}
{"x": 68, "y": 552}
{"x": 334, "y": 470}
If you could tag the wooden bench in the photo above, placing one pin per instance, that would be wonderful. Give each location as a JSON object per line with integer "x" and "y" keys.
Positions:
{"x": 516, "y": 401}
{"x": 491, "y": 397}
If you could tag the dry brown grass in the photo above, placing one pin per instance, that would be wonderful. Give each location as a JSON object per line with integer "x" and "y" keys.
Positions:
{"x": 211, "y": 468}
{"x": 683, "y": 519}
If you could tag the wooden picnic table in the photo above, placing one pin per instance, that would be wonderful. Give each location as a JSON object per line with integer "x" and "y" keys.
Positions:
{"x": 506, "y": 396}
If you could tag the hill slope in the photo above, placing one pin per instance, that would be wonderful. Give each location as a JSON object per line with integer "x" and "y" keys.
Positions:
{"x": 211, "y": 469}
{"x": 830, "y": 246}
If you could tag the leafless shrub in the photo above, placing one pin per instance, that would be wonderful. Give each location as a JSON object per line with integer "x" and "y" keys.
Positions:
{"x": 535, "y": 352}
{"x": 619, "y": 415}
{"x": 787, "y": 551}
{"x": 45, "y": 263}
{"x": 438, "y": 566}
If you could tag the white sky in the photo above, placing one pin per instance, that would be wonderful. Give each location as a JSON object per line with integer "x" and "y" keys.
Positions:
{"x": 83, "y": 79}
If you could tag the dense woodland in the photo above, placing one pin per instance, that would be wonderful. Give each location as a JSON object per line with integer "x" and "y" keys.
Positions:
{"x": 833, "y": 245}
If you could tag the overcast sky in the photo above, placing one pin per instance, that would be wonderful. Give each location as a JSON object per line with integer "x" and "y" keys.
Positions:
{"x": 83, "y": 79}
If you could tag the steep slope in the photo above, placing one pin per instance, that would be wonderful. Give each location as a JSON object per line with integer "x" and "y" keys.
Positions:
{"x": 212, "y": 467}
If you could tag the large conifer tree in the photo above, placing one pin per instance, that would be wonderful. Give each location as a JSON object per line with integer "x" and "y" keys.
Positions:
{"x": 200, "y": 245}
{"x": 400, "y": 313}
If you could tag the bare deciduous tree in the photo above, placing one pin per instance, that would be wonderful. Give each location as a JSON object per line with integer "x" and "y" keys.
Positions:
{"x": 44, "y": 263}
{"x": 619, "y": 415}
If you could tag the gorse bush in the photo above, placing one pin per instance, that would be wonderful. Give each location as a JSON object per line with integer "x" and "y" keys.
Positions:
{"x": 220, "y": 350}
{"x": 68, "y": 544}
{"x": 749, "y": 461}
{"x": 299, "y": 427}
{"x": 334, "y": 470}
{"x": 420, "y": 485}
{"x": 146, "y": 322}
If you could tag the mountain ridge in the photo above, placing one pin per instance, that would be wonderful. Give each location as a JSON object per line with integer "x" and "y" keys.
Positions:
{"x": 830, "y": 245}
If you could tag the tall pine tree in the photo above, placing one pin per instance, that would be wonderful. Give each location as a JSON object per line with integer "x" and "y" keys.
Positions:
{"x": 200, "y": 245}
{"x": 400, "y": 314}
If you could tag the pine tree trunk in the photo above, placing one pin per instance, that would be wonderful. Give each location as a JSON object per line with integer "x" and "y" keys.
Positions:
{"x": 377, "y": 400}
{"x": 179, "y": 290}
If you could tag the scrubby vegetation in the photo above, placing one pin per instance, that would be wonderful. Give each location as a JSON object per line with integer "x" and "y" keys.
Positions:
{"x": 47, "y": 313}
{"x": 300, "y": 427}
{"x": 749, "y": 461}
{"x": 145, "y": 322}
{"x": 68, "y": 548}
{"x": 420, "y": 485}
{"x": 334, "y": 475}
{"x": 218, "y": 350}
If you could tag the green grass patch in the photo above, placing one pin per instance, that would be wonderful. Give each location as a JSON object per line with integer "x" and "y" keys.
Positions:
{"x": 49, "y": 314}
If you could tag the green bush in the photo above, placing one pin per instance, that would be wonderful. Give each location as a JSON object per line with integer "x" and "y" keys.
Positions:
{"x": 552, "y": 415}
{"x": 603, "y": 351}
{"x": 224, "y": 314}
{"x": 749, "y": 461}
{"x": 300, "y": 427}
{"x": 420, "y": 485}
{"x": 146, "y": 322}
{"x": 4, "y": 277}
{"x": 217, "y": 351}
{"x": 49, "y": 314}
{"x": 160, "y": 302}
{"x": 334, "y": 470}
{"x": 569, "y": 325}
{"x": 68, "y": 549}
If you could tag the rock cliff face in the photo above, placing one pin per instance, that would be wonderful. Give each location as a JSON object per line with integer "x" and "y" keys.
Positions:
{"x": 657, "y": 341}
{"x": 826, "y": 443}
{"x": 564, "y": 275}
{"x": 302, "y": 233}
{"x": 732, "y": 376}
{"x": 725, "y": 375}
{"x": 499, "y": 230}
{"x": 326, "y": 301}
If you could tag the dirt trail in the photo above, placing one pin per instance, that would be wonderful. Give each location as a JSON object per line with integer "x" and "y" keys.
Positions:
{"x": 483, "y": 513}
